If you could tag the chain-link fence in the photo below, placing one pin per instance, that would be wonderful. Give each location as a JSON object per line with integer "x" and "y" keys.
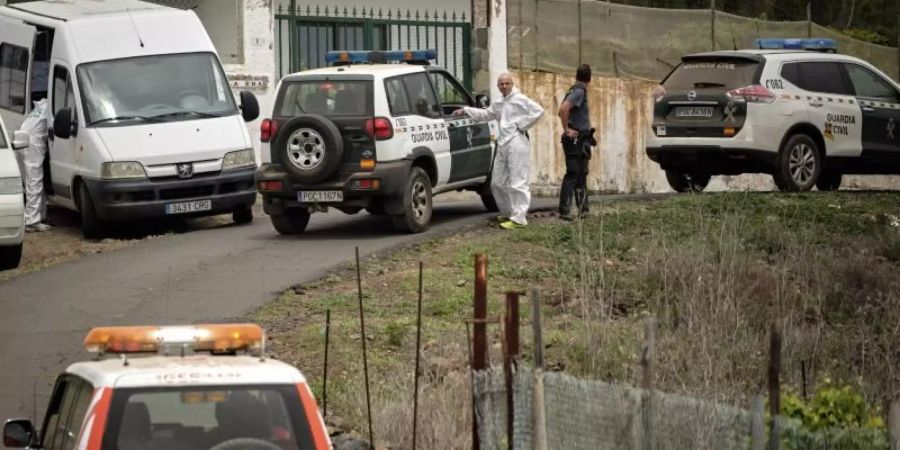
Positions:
{"x": 630, "y": 41}
{"x": 569, "y": 413}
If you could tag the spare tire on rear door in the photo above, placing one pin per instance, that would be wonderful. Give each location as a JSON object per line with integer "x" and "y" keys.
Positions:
{"x": 311, "y": 148}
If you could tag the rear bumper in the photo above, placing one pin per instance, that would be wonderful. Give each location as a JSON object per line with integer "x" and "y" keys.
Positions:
{"x": 392, "y": 179}
{"x": 712, "y": 159}
{"x": 144, "y": 199}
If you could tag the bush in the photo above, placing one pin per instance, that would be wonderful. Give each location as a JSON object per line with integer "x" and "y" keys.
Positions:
{"x": 836, "y": 417}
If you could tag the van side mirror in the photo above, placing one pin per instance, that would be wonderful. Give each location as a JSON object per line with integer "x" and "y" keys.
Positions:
{"x": 62, "y": 123}
{"x": 482, "y": 101}
{"x": 18, "y": 433}
{"x": 249, "y": 106}
{"x": 21, "y": 140}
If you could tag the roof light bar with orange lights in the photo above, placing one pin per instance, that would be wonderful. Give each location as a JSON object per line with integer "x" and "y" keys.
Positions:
{"x": 144, "y": 339}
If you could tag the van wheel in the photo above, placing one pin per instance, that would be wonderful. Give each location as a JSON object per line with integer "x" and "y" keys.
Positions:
{"x": 311, "y": 148}
{"x": 487, "y": 197}
{"x": 293, "y": 221}
{"x": 687, "y": 182}
{"x": 10, "y": 257}
{"x": 417, "y": 203}
{"x": 91, "y": 226}
{"x": 829, "y": 181}
{"x": 242, "y": 216}
{"x": 799, "y": 164}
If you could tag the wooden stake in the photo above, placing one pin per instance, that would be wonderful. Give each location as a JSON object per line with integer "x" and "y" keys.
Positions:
{"x": 775, "y": 386}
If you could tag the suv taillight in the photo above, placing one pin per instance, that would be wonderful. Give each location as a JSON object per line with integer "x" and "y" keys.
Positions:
{"x": 267, "y": 130}
{"x": 755, "y": 93}
{"x": 658, "y": 92}
{"x": 379, "y": 128}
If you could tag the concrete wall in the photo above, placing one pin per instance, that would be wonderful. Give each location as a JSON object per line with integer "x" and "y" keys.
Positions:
{"x": 621, "y": 111}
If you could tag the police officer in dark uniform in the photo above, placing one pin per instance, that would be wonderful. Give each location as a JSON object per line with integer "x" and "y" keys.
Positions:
{"x": 577, "y": 140}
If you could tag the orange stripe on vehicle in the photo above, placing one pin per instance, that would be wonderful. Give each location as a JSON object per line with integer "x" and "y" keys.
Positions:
{"x": 99, "y": 413}
{"x": 316, "y": 423}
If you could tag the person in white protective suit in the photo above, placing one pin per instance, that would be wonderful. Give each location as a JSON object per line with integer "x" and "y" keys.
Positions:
{"x": 32, "y": 161}
{"x": 516, "y": 113}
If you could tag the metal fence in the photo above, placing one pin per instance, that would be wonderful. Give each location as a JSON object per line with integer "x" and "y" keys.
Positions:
{"x": 630, "y": 41}
{"x": 568, "y": 413}
{"x": 304, "y": 34}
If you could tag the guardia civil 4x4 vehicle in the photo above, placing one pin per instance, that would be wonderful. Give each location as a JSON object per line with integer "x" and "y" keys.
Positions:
{"x": 792, "y": 108}
{"x": 370, "y": 134}
{"x": 202, "y": 387}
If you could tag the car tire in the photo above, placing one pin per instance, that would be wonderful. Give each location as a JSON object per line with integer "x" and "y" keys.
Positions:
{"x": 10, "y": 256}
{"x": 489, "y": 202}
{"x": 91, "y": 226}
{"x": 687, "y": 182}
{"x": 417, "y": 203}
{"x": 799, "y": 164}
{"x": 242, "y": 216}
{"x": 293, "y": 221}
{"x": 311, "y": 148}
{"x": 829, "y": 181}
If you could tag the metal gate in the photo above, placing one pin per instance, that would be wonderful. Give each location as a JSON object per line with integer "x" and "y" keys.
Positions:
{"x": 304, "y": 35}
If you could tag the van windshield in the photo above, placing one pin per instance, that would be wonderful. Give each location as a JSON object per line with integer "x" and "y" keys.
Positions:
{"x": 268, "y": 417}
{"x": 154, "y": 89}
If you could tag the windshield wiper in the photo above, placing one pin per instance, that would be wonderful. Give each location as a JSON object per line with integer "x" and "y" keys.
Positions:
{"x": 185, "y": 113}
{"x": 111, "y": 119}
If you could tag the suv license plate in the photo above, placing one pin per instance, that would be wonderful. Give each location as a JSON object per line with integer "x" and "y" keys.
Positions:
{"x": 320, "y": 196}
{"x": 694, "y": 111}
{"x": 188, "y": 207}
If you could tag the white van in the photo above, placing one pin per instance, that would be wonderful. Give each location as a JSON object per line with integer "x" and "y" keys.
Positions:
{"x": 143, "y": 121}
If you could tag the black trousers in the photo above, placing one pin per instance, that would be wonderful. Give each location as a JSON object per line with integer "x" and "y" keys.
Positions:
{"x": 575, "y": 181}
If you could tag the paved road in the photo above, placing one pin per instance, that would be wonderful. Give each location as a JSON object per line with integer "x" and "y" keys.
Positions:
{"x": 204, "y": 275}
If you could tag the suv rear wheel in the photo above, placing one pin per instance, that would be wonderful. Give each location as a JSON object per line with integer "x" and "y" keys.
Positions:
{"x": 293, "y": 221}
{"x": 799, "y": 164}
{"x": 417, "y": 203}
{"x": 311, "y": 148}
{"x": 829, "y": 181}
{"x": 687, "y": 182}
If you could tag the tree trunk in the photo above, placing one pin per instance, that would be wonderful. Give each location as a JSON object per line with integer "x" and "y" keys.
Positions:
{"x": 850, "y": 18}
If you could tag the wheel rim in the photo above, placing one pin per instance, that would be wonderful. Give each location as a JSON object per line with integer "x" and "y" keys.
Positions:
{"x": 802, "y": 164}
{"x": 306, "y": 149}
{"x": 419, "y": 201}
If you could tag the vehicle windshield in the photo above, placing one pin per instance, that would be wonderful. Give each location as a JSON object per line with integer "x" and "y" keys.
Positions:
{"x": 155, "y": 88}
{"x": 266, "y": 417}
{"x": 728, "y": 73}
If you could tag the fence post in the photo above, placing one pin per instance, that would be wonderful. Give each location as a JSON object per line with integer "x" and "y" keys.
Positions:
{"x": 540, "y": 422}
{"x": 775, "y": 386}
{"x": 712, "y": 10}
{"x": 894, "y": 425}
{"x": 809, "y": 19}
{"x": 479, "y": 334}
{"x": 647, "y": 356}
{"x": 510, "y": 352}
{"x": 758, "y": 424}
{"x": 580, "y": 37}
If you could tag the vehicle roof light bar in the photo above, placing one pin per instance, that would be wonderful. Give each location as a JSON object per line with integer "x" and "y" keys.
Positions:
{"x": 153, "y": 339}
{"x": 341, "y": 57}
{"x": 815, "y": 44}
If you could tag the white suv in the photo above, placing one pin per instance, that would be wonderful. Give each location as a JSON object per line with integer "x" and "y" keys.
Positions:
{"x": 790, "y": 109}
{"x": 369, "y": 135}
{"x": 12, "y": 206}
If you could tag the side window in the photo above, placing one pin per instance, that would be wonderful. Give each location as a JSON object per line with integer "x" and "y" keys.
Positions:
{"x": 77, "y": 416}
{"x": 13, "y": 75}
{"x": 62, "y": 90}
{"x": 791, "y": 72}
{"x": 65, "y": 415}
{"x": 870, "y": 85}
{"x": 421, "y": 95}
{"x": 397, "y": 97}
{"x": 449, "y": 93}
{"x": 824, "y": 77}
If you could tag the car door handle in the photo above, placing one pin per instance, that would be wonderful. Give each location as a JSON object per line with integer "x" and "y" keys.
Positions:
{"x": 815, "y": 104}
{"x": 868, "y": 109}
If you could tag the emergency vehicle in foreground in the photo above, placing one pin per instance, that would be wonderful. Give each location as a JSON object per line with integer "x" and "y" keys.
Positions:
{"x": 366, "y": 134}
{"x": 204, "y": 387}
{"x": 791, "y": 108}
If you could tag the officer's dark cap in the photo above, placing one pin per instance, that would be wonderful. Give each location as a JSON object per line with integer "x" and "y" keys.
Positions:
{"x": 583, "y": 74}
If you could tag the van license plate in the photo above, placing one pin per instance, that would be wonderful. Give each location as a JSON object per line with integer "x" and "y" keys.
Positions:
{"x": 188, "y": 207}
{"x": 694, "y": 111}
{"x": 320, "y": 196}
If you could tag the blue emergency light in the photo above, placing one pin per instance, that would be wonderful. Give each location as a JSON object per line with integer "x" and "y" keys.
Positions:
{"x": 361, "y": 57}
{"x": 818, "y": 44}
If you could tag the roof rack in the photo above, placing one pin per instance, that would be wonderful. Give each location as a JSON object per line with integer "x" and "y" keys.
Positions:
{"x": 346, "y": 57}
{"x": 813, "y": 44}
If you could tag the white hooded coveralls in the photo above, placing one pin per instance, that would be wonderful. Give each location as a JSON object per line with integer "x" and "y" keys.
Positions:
{"x": 516, "y": 113}
{"x": 31, "y": 161}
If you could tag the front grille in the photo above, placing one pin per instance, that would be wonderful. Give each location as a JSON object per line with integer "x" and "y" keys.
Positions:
{"x": 188, "y": 192}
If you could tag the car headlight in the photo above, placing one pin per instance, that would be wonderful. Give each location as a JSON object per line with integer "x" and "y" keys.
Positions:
{"x": 10, "y": 186}
{"x": 122, "y": 169}
{"x": 239, "y": 159}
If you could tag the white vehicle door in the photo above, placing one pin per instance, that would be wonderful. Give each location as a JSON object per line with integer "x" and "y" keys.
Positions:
{"x": 832, "y": 107}
{"x": 419, "y": 121}
{"x": 16, "y": 51}
{"x": 63, "y": 155}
